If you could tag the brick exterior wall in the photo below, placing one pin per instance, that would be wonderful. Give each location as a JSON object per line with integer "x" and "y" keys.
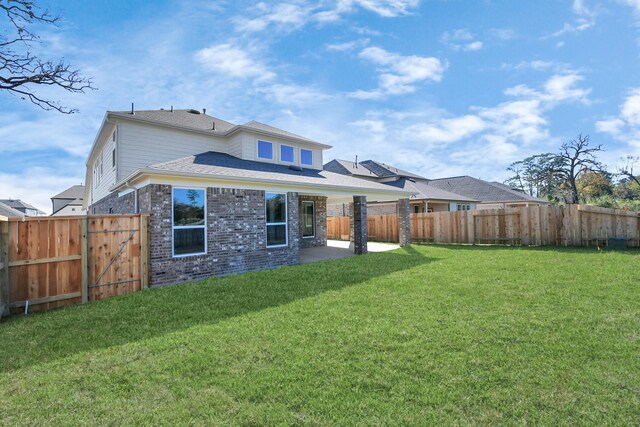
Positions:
{"x": 320, "y": 238}
{"x": 404, "y": 221}
{"x": 236, "y": 235}
{"x": 112, "y": 204}
{"x": 360, "y": 232}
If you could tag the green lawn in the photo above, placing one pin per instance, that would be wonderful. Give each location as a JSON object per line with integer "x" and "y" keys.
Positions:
{"x": 422, "y": 335}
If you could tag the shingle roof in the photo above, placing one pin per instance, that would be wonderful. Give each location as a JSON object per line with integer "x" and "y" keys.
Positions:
{"x": 17, "y": 204}
{"x": 224, "y": 165}
{"x": 73, "y": 192}
{"x": 8, "y": 211}
{"x": 482, "y": 190}
{"x": 185, "y": 118}
{"x": 267, "y": 128}
{"x": 384, "y": 170}
{"x": 368, "y": 168}
{"x": 345, "y": 167}
{"x": 428, "y": 192}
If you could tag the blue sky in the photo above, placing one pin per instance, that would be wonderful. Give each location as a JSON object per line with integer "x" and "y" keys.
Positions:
{"x": 439, "y": 87}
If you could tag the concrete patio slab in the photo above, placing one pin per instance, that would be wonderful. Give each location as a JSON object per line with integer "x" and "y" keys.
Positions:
{"x": 337, "y": 249}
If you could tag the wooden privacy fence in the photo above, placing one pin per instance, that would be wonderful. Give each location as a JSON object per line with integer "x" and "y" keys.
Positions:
{"x": 48, "y": 262}
{"x": 569, "y": 225}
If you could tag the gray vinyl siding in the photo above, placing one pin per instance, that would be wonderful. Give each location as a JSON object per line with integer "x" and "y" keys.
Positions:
{"x": 143, "y": 145}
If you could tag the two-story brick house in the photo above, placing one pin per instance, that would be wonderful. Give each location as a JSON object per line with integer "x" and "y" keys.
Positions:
{"x": 223, "y": 198}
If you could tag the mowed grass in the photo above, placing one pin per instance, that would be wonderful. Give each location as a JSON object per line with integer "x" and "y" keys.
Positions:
{"x": 425, "y": 335}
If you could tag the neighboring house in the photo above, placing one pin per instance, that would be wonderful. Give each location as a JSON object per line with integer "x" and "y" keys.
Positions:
{"x": 491, "y": 195}
{"x": 8, "y": 211}
{"x": 223, "y": 198}
{"x": 69, "y": 202}
{"x": 24, "y": 208}
{"x": 426, "y": 198}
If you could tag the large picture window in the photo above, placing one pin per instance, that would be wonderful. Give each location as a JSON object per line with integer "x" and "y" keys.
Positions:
{"x": 308, "y": 219}
{"x": 276, "y": 206}
{"x": 189, "y": 222}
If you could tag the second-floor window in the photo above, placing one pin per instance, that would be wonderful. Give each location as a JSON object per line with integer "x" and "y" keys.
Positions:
{"x": 265, "y": 150}
{"x": 286, "y": 153}
{"x": 306, "y": 157}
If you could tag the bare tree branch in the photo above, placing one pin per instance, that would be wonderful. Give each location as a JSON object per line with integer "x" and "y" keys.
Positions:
{"x": 21, "y": 71}
{"x": 626, "y": 169}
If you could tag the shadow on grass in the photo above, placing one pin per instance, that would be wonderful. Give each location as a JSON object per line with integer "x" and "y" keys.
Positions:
{"x": 45, "y": 337}
{"x": 558, "y": 249}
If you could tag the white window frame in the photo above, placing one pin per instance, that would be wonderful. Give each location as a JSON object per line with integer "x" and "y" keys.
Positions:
{"x": 463, "y": 207}
{"x": 312, "y": 157}
{"x": 285, "y": 223}
{"x": 313, "y": 203}
{"x": 272, "y": 158}
{"x": 181, "y": 227}
{"x": 293, "y": 152}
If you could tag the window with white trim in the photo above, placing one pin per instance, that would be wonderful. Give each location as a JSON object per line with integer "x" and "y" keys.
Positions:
{"x": 463, "y": 207}
{"x": 308, "y": 219}
{"x": 189, "y": 222}
{"x": 276, "y": 210}
{"x": 286, "y": 153}
{"x": 265, "y": 150}
{"x": 306, "y": 157}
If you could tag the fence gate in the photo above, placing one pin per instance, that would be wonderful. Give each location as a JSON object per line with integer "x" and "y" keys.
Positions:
{"x": 48, "y": 262}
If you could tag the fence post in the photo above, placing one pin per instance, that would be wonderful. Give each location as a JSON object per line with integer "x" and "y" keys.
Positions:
{"x": 85, "y": 260}
{"x": 144, "y": 251}
{"x": 4, "y": 268}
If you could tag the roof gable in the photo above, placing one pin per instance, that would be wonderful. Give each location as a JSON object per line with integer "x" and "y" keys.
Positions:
{"x": 482, "y": 190}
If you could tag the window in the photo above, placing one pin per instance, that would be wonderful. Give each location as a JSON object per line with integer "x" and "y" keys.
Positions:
{"x": 265, "y": 150}
{"x": 286, "y": 153}
{"x": 113, "y": 158}
{"x": 464, "y": 207}
{"x": 416, "y": 208}
{"x": 306, "y": 157}
{"x": 308, "y": 219}
{"x": 276, "y": 206}
{"x": 189, "y": 222}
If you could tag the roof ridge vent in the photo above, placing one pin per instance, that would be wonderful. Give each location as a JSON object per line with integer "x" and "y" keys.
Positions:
{"x": 295, "y": 168}
{"x": 193, "y": 111}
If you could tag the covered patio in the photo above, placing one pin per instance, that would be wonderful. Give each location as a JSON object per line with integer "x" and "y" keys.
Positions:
{"x": 337, "y": 249}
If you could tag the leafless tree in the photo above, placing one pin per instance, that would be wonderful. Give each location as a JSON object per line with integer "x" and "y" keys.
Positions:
{"x": 575, "y": 158}
{"x": 20, "y": 70}
{"x": 626, "y": 169}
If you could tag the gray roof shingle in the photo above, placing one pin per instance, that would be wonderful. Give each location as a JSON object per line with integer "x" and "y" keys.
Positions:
{"x": 8, "y": 211}
{"x": 482, "y": 190}
{"x": 368, "y": 168}
{"x": 383, "y": 170}
{"x": 73, "y": 192}
{"x": 429, "y": 192}
{"x": 185, "y": 118}
{"x": 223, "y": 165}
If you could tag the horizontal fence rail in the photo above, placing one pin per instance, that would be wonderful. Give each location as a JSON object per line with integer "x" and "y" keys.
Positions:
{"x": 569, "y": 225}
{"x": 49, "y": 262}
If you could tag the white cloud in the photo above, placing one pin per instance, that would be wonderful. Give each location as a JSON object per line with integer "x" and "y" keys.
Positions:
{"x": 461, "y": 39}
{"x": 232, "y": 61}
{"x": 446, "y": 131}
{"x": 347, "y": 46}
{"x": 635, "y": 4}
{"x": 399, "y": 74}
{"x": 625, "y": 127}
{"x": 291, "y": 16}
{"x": 585, "y": 19}
{"x": 504, "y": 34}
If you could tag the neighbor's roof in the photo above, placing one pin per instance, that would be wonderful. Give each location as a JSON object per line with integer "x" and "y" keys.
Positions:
{"x": 428, "y": 192}
{"x": 224, "y": 166}
{"x": 195, "y": 119}
{"x": 8, "y": 211}
{"x": 482, "y": 190}
{"x": 368, "y": 168}
{"x": 73, "y": 192}
{"x": 384, "y": 170}
{"x": 18, "y": 204}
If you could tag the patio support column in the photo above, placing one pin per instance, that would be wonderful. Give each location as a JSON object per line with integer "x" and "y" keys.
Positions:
{"x": 351, "y": 222}
{"x": 404, "y": 216}
{"x": 360, "y": 234}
